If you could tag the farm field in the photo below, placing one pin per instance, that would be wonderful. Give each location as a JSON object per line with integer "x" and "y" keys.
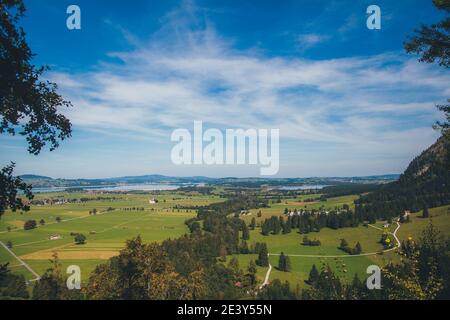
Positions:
{"x": 106, "y": 231}
{"x": 277, "y": 209}
{"x": 120, "y": 217}
{"x": 345, "y": 266}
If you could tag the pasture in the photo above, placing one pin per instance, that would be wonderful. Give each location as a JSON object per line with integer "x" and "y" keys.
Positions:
{"x": 122, "y": 216}
{"x": 115, "y": 221}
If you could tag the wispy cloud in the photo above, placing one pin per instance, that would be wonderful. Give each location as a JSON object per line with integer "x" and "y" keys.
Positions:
{"x": 186, "y": 72}
{"x": 305, "y": 41}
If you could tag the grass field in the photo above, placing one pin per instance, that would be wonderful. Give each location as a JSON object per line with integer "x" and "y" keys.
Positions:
{"x": 346, "y": 266}
{"x": 107, "y": 232}
{"x": 277, "y": 209}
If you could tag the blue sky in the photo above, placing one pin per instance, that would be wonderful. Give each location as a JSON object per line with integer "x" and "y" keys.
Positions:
{"x": 347, "y": 100}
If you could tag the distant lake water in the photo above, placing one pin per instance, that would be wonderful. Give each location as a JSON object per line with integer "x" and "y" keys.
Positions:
{"x": 127, "y": 187}
{"x": 304, "y": 187}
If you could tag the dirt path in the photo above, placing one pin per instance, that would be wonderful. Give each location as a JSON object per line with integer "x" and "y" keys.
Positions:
{"x": 266, "y": 279}
{"x": 22, "y": 262}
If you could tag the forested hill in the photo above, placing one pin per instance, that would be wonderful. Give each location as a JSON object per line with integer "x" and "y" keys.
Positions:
{"x": 425, "y": 183}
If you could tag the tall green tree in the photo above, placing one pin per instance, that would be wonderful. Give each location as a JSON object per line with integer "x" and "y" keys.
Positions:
{"x": 251, "y": 275}
{"x": 313, "y": 276}
{"x": 425, "y": 212}
{"x": 284, "y": 263}
{"x": 245, "y": 232}
{"x": 28, "y": 104}
{"x": 263, "y": 256}
{"x": 432, "y": 44}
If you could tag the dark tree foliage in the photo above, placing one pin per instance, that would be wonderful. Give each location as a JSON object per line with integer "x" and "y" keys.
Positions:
{"x": 29, "y": 224}
{"x": 277, "y": 291}
{"x": 25, "y": 100}
{"x": 9, "y": 188}
{"x": 444, "y": 126}
{"x": 263, "y": 256}
{"x": 425, "y": 212}
{"x": 313, "y": 276}
{"x": 80, "y": 239}
{"x": 433, "y": 42}
{"x": 284, "y": 263}
{"x": 28, "y": 105}
{"x": 12, "y": 286}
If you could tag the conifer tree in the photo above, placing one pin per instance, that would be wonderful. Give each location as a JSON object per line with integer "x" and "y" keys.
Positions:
{"x": 425, "y": 213}
{"x": 263, "y": 258}
{"x": 245, "y": 232}
{"x": 313, "y": 276}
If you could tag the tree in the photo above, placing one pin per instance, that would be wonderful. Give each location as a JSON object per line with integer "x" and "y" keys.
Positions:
{"x": 80, "y": 239}
{"x": 42, "y": 222}
{"x": 432, "y": 42}
{"x": 252, "y": 273}
{"x": 245, "y": 232}
{"x": 9, "y": 244}
{"x": 263, "y": 256}
{"x": 284, "y": 263}
{"x": 243, "y": 247}
{"x": 265, "y": 228}
{"x": 275, "y": 224}
{"x": 277, "y": 291}
{"x": 358, "y": 248}
{"x": 51, "y": 286}
{"x": 58, "y": 219}
{"x": 29, "y": 224}
{"x": 145, "y": 272}
{"x": 444, "y": 126}
{"x": 11, "y": 285}
{"x": 313, "y": 276}
{"x": 425, "y": 212}
{"x": 234, "y": 265}
{"x": 344, "y": 243}
{"x": 28, "y": 105}
{"x": 9, "y": 188}
{"x": 253, "y": 224}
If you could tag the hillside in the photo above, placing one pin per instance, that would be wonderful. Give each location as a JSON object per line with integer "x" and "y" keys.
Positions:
{"x": 426, "y": 182}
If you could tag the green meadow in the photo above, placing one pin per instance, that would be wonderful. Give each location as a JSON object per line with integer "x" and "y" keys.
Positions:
{"x": 115, "y": 222}
{"x": 106, "y": 231}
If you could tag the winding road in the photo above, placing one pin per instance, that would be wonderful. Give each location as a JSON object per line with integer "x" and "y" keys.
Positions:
{"x": 266, "y": 279}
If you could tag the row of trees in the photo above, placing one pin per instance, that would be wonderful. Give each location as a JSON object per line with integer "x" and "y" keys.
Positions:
{"x": 308, "y": 222}
{"x": 344, "y": 246}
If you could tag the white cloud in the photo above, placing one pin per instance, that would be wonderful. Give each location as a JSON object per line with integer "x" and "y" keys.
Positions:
{"x": 369, "y": 104}
{"x": 309, "y": 40}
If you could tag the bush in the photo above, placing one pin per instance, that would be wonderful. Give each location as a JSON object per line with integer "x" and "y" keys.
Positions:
{"x": 30, "y": 224}
{"x": 80, "y": 239}
{"x": 309, "y": 242}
